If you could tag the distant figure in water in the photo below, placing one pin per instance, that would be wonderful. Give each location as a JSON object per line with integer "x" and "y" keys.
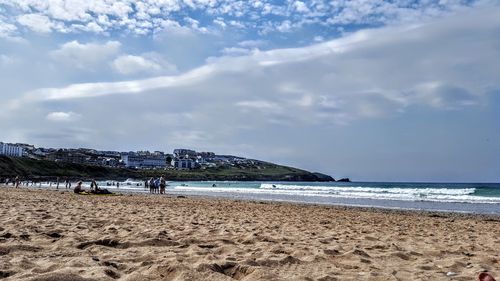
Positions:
{"x": 214, "y": 185}
{"x": 117, "y": 184}
{"x": 485, "y": 276}
{"x": 78, "y": 187}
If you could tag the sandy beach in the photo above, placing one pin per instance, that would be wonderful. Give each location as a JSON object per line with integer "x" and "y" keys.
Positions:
{"x": 57, "y": 235}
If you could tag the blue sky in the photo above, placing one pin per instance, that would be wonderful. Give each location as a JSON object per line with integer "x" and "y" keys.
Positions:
{"x": 373, "y": 90}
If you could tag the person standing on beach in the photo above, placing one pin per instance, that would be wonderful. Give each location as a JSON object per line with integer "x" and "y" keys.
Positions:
{"x": 157, "y": 185}
{"x": 151, "y": 185}
{"x": 68, "y": 184}
{"x": 163, "y": 184}
{"x": 94, "y": 187}
{"x": 17, "y": 181}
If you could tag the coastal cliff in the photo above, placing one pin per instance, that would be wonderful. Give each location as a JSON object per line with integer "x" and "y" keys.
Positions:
{"x": 44, "y": 169}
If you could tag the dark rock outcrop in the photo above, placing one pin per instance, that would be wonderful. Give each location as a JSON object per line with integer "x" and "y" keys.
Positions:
{"x": 344, "y": 180}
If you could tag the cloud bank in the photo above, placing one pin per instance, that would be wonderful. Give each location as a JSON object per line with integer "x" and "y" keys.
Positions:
{"x": 365, "y": 74}
{"x": 146, "y": 17}
{"x": 410, "y": 98}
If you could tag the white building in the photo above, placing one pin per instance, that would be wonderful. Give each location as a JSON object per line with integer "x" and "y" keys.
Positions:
{"x": 143, "y": 160}
{"x": 11, "y": 150}
{"x": 184, "y": 164}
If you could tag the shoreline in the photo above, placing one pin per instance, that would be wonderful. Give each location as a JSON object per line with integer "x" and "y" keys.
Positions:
{"x": 48, "y": 234}
{"x": 171, "y": 194}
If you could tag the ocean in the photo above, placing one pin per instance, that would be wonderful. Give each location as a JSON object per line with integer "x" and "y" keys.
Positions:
{"x": 451, "y": 197}
{"x": 480, "y": 198}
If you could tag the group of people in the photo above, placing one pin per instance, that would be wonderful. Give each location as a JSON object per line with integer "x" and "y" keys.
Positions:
{"x": 94, "y": 189}
{"x": 18, "y": 182}
{"x": 157, "y": 185}
{"x": 15, "y": 181}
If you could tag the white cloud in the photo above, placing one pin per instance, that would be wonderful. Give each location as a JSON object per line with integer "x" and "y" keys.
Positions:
{"x": 288, "y": 98}
{"x": 368, "y": 73}
{"x": 220, "y": 21}
{"x": 263, "y": 105}
{"x": 301, "y": 7}
{"x": 89, "y": 27}
{"x": 85, "y": 55}
{"x": 36, "y": 22}
{"x": 62, "y": 116}
{"x": 7, "y": 30}
{"x": 284, "y": 26}
{"x": 383, "y": 12}
{"x": 318, "y": 39}
{"x": 5, "y": 60}
{"x": 145, "y": 16}
{"x": 442, "y": 95}
{"x": 252, "y": 43}
{"x": 130, "y": 64}
{"x": 235, "y": 51}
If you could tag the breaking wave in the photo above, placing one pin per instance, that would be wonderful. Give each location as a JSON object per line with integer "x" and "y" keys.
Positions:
{"x": 437, "y": 194}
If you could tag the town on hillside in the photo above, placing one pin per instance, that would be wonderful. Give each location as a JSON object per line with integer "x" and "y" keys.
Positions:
{"x": 179, "y": 159}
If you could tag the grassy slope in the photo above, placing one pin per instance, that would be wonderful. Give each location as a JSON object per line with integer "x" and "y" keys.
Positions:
{"x": 25, "y": 167}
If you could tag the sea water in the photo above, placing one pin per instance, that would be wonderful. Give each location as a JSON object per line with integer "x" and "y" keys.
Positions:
{"x": 481, "y": 198}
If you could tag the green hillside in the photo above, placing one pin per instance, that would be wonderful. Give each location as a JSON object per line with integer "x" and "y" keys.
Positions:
{"x": 43, "y": 169}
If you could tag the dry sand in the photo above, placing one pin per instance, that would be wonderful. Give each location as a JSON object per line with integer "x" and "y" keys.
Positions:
{"x": 49, "y": 235}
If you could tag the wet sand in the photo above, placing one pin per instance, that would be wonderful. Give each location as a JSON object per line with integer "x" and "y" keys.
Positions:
{"x": 57, "y": 235}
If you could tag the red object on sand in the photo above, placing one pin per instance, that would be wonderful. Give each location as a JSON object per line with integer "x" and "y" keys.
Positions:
{"x": 484, "y": 276}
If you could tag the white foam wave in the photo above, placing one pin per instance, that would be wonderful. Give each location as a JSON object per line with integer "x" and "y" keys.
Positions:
{"x": 359, "y": 189}
{"x": 464, "y": 195}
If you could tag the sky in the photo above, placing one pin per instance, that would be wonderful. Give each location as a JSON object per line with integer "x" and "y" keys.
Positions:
{"x": 400, "y": 90}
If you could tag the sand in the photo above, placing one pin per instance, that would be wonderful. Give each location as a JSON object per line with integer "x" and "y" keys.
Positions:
{"x": 54, "y": 235}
